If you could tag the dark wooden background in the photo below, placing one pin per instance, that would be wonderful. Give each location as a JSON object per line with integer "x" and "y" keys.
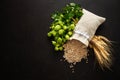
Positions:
{"x": 27, "y": 54}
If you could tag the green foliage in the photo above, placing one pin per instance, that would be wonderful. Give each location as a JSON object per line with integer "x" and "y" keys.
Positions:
{"x": 63, "y": 24}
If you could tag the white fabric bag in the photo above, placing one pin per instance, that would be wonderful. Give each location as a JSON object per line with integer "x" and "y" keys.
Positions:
{"x": 86, "y": 27}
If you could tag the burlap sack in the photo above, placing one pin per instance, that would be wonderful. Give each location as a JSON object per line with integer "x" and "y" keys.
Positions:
{"x": 86, "y": 27}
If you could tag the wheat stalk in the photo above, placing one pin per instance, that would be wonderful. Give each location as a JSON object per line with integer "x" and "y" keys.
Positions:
{"x": 102, "y": 50}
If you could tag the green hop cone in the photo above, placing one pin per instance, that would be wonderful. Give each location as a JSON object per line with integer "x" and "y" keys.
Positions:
{"x": 49, "y": 34}
{"x": 54, "y": 33}
{"x": 64, "y": 27}
{"x": 70, "y": 33}
{"x": 60, "y": 48}
{"x": 61, "y": 31}
{"x": 57, "y": 27}
{"x": 61, "y": 23}
{"x": 59, "y": 40}
{"x": 71, "y": 27}
{"x": 67, "y": 37}
{"x": 54, "y": 43}
{"x": 56, "y": 48}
